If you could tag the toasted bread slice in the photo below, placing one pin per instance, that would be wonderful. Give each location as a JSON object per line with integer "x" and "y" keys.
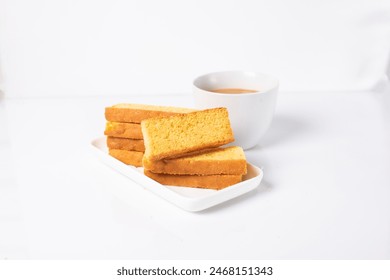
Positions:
{"x": 177, "y": 135}
{"x": 126, "y": 144}
{"x": 123, "y": 130}
{"x": 127, "y": 157}
{"x": 230, "y": 160}
{"x": 135, "y": 113}
{"x": 215, "y": 182}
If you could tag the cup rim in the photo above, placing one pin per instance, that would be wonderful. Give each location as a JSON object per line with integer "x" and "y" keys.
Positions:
{"x": 271, "y": 77}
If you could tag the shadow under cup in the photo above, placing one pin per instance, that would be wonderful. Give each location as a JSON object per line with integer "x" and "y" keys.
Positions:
{"x": 250, "y": 114}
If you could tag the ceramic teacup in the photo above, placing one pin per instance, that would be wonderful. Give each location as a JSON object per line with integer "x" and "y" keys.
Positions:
{"x": 251, "y": 112}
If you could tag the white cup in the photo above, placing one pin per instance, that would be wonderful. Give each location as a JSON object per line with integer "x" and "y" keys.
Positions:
{"x": 250, "y": 113}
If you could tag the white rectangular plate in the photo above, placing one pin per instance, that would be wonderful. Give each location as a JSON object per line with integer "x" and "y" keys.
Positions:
{"x": 190, "y": 199}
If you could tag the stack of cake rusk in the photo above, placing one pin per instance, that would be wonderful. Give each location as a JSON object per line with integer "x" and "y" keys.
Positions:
{"x": 176, "y": 146}
{"x": 123, "y": 129}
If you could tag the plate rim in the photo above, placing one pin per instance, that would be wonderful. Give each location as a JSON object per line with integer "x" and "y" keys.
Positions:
{"x": 192, "y": 204}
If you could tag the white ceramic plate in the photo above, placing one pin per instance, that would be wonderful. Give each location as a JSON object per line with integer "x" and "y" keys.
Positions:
{"x": 190, "y": 199}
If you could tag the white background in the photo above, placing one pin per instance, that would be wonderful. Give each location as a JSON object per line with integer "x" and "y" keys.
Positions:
{"x": 325, "y": 193}
{"x": 85, "y": 47}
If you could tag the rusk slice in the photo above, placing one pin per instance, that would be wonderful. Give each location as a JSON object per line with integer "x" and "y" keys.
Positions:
{"x": 177, "y": 135}
{"x": 125, "y": 144}
{"x": 230, "y": 160}
{"x": 127, "y": 157}
{"x": 135, "y": 113}
{"x": 123, "y": 130}
{"x": 216, "y": 182}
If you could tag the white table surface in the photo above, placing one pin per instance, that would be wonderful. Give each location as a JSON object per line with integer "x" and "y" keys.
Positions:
{"x": 325, "y": 192}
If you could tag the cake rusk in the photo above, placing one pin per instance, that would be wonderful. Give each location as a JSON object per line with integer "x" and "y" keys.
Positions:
{"x": 215, "y": 182}
{"x": 174, "y": 136}
{"x": 135, "y": 113}
{"x": 123, "y": 130}
{"x": 125, "y": 144}
{"x": 228, "y": 161}
{"x": 127, "y": 157}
